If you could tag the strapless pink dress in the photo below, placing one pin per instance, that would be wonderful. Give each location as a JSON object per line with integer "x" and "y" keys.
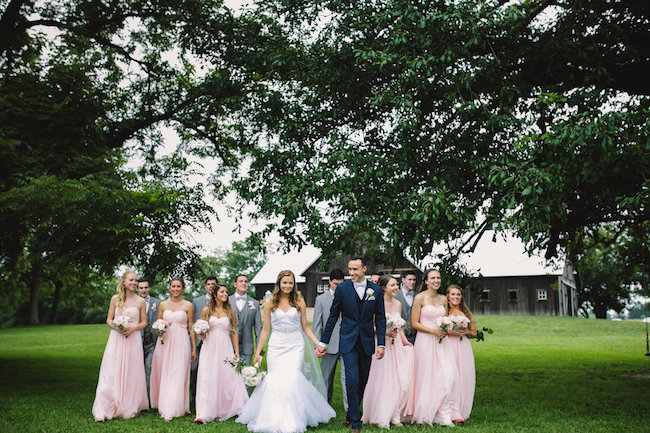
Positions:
{"x": 434, "y": 388}
{"x": 170, "y": 368}
{"x": 466, "y": 376}
{"x": 220, "y": 391}
{"x": 122, "y": 388}
{"x": 388, "y": 382}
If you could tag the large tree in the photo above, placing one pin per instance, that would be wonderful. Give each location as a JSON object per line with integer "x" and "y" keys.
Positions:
{"x": 85, "y": 85}
{"x": 416, "y": 119}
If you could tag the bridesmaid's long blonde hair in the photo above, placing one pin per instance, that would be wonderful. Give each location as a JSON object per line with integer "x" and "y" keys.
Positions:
{"x": 121, "y": 290}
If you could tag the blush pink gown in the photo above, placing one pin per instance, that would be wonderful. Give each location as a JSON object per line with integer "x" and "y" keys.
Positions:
{"x": 388, "y": 383}
{"x": 170, "y": 368}
{"x": 466, "y": 377}
{"x": 122, "y": 388}
{"x": 220, "y": 391}
{"x": 434, "y": 388}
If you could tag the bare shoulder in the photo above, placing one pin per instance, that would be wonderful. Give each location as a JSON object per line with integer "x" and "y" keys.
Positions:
{"x": 419, "y": 297}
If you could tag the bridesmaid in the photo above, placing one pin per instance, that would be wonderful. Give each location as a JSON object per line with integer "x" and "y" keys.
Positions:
{"x": 220, "y": 391}
{"x": 389, "y": 377}
{"x": 170, "y": 367}
{"x": 122, "y": 388}
{"x": 464, "y": 355}
{"x": 434, "y": 388}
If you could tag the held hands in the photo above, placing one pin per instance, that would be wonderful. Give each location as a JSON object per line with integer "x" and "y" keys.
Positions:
{"x": 257, "y": 360}
{"x": 379, "y": 353}
{"x": 320, "y": 351}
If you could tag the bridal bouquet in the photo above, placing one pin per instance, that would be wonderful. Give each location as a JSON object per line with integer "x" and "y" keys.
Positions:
{"x": 460, "y": 322}
{"x": 251, "y": 374}
{"x": 395, "y": 323}
{"x": 201, "y": 327}
{"x": 444, "y": 323}
{"x": 120, "y": 322}
{"x": 160, "y": 326}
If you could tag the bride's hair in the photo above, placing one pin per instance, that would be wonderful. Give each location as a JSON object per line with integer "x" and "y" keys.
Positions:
{"x": 462, "y": 306}
{"x": 294, "y": 296}
{"x": 121, "y": 290}
{"x": 212, "y": 306}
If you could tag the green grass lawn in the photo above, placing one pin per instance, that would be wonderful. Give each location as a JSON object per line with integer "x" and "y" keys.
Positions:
{"x": 534, "y": 374}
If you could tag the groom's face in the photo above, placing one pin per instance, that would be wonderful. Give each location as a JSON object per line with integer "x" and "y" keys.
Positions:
{"x": 356, "y": 270}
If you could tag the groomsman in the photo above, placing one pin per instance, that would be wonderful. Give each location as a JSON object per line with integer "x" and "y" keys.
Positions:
{"x": 321, "y": 313}
{"x": 249, "y": 321}
{"x": 199, "y": 303}
{"x": 148, "y": 336}
{"x": 405, "y": 296}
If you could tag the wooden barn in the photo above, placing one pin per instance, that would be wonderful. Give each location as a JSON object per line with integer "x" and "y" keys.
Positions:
{"x": 311, "y": 280}
{"x": 514, "y": 283}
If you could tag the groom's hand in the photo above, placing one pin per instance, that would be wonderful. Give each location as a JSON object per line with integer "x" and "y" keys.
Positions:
{"x": 379, "y": 353}
{"x": 320, "y": 351}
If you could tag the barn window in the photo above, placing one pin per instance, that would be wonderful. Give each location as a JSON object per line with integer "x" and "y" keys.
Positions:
{"x": 485, "y": 296}
{"x": 513, "y": 295}
{"x": 541, "y": 295}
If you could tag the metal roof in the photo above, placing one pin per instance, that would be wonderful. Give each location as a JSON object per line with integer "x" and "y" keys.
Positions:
{"x": 296, "y": 261}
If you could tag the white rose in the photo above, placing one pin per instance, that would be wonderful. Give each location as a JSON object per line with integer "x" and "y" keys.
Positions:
{"x": 370, "y": 292}
{"x": 248, "y": 371}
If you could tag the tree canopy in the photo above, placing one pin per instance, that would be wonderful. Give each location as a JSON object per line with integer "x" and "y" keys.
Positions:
{"x": 84, "y": 86}
{"x": 425, "y": 120}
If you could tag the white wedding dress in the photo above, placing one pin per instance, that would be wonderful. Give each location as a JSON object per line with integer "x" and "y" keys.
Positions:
{"x": 285, "y": 401}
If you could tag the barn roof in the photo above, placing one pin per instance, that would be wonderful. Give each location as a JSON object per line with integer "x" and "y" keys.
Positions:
{"x": 506, "y": 256}
{"x": 296, "y": 261}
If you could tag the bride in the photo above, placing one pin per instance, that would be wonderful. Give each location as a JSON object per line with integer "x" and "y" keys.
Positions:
{"x": 290, "y": 397}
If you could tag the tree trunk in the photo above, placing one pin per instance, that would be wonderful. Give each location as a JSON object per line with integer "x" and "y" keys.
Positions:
{"x": 58, "y": 284}
{"x": 600, "y": 311}
{"x": 34, "y": 289}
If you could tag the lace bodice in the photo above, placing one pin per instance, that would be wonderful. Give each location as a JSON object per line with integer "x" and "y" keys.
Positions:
{"x": 285, "y": 322}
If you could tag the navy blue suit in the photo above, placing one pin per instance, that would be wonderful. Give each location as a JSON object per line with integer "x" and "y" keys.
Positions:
{"x": 357, "y": 338}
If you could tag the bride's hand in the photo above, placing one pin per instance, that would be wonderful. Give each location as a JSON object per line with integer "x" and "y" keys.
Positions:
{"x": 257, "y": 360}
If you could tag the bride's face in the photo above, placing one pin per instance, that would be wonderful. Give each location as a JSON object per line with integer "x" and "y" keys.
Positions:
{"x": 286, "y": 284}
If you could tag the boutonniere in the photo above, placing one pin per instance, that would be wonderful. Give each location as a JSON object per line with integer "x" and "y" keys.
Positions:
{"x": 251, "y": 305}
{"x": 370, "y": 295}
{"x": 154, "y": 306}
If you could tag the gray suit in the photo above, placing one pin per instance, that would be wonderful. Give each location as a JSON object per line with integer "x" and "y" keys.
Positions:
{"x": 149, "y": 337}
{"x": 406, "y": 315}
{"x": 199, "y": 304}
{"x": 328, "y": 361}
{"x": 249, "y": 321}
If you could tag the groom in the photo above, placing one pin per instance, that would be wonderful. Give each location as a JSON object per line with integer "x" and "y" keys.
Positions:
{"x": 360, "y": 303}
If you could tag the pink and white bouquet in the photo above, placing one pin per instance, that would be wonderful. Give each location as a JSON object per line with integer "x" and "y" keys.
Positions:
{"x": 121, "y": 322}
{"x": 252, "y": 375}
{"x": 460, "y": 322}
{"x": 395, "y": 323}
{"x": 160, "y": 326}
{"x": 201, "y": 327}
{"x": 444, "y": 323}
